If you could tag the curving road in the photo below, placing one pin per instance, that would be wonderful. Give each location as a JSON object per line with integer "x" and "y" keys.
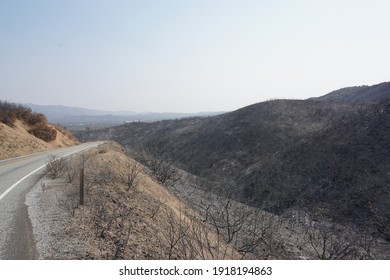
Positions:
{"x": 17, "y": 177}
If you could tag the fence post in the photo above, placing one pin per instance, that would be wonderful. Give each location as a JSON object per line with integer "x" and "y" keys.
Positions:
{"x": 82, "y": 180}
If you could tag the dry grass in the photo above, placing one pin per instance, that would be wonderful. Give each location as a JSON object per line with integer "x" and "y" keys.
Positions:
{"x": 17, "y": 141}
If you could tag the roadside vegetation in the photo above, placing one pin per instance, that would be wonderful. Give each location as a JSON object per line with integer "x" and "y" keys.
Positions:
{"x": 10, "y": 112}
{"x": 126, "y": 214}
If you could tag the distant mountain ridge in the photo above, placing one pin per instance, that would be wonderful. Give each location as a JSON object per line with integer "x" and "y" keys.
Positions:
{"x": 54, "y": 111}
{"x": 374, "y": 93}
{"x": 77, "y": 118}
{"x": 327, "y": 156}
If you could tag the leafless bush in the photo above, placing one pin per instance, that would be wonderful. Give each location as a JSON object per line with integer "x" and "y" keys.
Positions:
{"x": 132, "y": 174}
{"x": 381, "y": 220}
{"x": 203, "y": 245}
{"x": 245, "y": 228}
{"x": 257, "y": 231}
{"x": 175, "y": 231}
{"x": 185, "y": 236}
{"x": 240, "y": 226}
{"x": 72, "y": 170}
{"x": 115, "y": 170}
{"x": 101, "y": 173}
{"x": 155, "y": 208}
{"x": 247, "y": 231}
{"x": 112, "y": 219}
{"x": 68, "y": 200}
{"x": 336, "y": 242}
{"x": 163, "y": 169}
{"x": 330, "y": 243}
{"x": 56, "y": 166}
{"x": 365, "y": 243}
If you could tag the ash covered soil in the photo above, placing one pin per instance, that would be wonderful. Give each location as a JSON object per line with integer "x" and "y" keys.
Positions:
{"x": 143, "y": 219}
{"x": 116, "y": 221}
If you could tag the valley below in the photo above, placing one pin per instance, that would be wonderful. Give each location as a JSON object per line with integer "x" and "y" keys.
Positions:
{"x": 321, "y": 165}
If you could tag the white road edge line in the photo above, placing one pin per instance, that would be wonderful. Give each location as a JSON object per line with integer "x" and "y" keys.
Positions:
{"x": 39, "y": 168}
{"x": 18, "y": 182}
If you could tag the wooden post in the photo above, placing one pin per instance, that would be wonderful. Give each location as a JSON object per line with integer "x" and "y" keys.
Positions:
{"x": 82, "y": 180}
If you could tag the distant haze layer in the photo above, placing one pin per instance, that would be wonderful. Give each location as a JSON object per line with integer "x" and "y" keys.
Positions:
{"x": 188, "y": 56}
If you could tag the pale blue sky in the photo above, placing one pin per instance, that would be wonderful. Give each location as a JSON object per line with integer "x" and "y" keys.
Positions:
{"x": 188, "y": 56}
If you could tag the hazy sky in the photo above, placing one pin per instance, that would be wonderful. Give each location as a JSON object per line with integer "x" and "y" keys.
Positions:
{"x": 188, "y": 56}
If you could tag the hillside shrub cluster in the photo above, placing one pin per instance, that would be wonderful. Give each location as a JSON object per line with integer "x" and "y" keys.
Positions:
{"x": 44, "y": 132}
{"x": 10, "y": 112}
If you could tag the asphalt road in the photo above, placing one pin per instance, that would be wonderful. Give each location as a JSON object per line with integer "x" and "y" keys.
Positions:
{"x": 17, "y": 177}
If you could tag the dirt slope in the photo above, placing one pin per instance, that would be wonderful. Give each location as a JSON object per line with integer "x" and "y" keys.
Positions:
{"x": 117, "y": 221}
{"x": 16, "y": 141}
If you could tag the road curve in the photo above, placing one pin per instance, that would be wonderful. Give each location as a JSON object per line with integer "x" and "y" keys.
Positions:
{"x": 17, "y": 177}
